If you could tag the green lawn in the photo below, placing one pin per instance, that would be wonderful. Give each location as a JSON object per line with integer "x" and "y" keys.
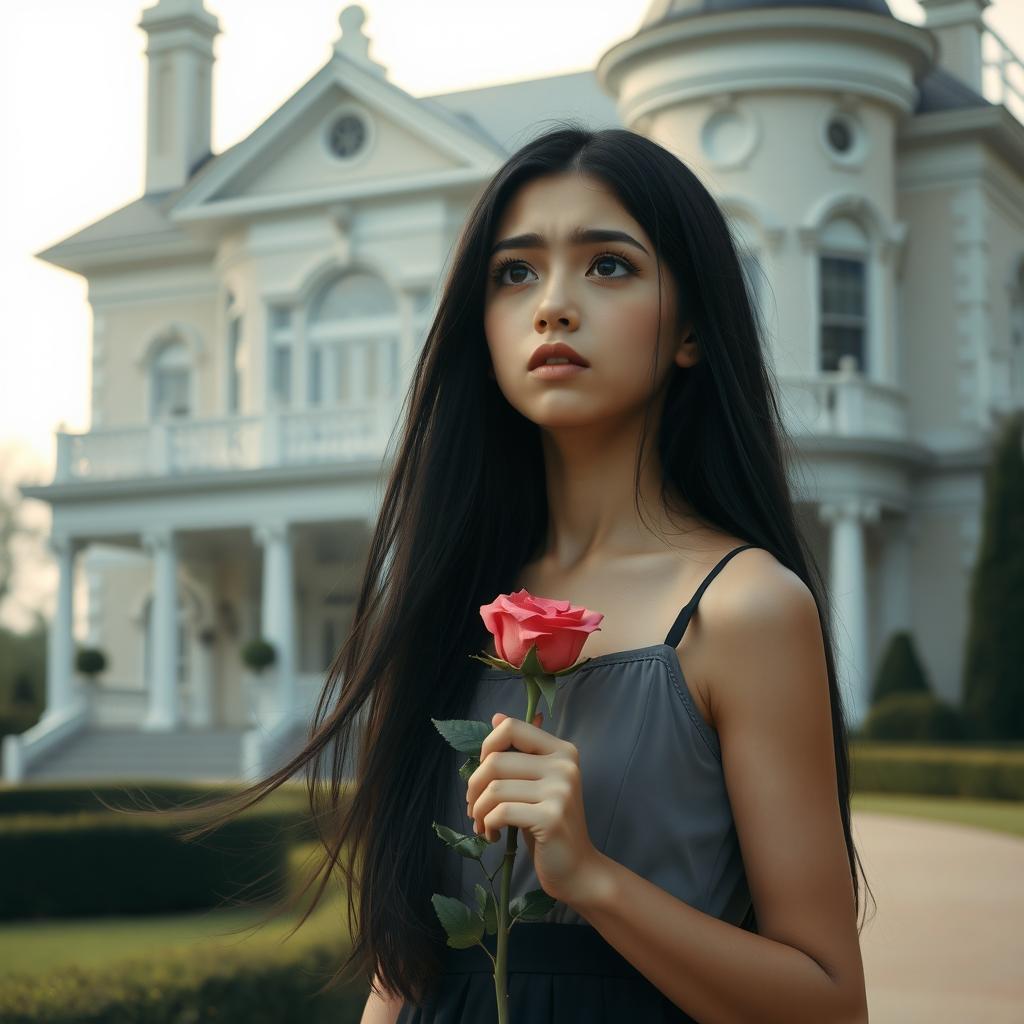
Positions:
{"x": 41, "y": 946}
{"x": 998, "y": 815}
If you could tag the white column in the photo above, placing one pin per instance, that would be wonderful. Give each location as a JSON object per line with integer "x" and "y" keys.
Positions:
{"x": 278, "y": 621}
{"x": 202, "y": 681}
{"x": 848, "y": 591}
{"x": 61, "y": 697}
{"x": 163, "y": 624}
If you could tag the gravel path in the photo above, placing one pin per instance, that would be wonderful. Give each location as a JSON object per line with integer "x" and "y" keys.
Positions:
{"x": 946, "y": 942}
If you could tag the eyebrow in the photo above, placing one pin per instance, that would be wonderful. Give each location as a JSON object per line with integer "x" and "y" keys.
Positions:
{"x": 578, "y": 236}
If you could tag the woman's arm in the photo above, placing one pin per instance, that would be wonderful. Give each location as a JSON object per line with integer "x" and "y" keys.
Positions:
{"x": 380, "y": 1010}
{"x": 770, "y": 703}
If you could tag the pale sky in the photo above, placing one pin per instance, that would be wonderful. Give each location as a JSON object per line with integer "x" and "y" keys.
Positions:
{"x": 72, "y": 94}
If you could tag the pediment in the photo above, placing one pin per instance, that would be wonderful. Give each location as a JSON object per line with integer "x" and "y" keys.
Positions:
{"x": 345, "y": 132}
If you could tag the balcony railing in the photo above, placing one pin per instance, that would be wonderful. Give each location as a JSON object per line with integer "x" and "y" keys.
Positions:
{"x": 1002, "y": 73}
{"x": 179, "y": 447}
{"x": 843, "y": 404}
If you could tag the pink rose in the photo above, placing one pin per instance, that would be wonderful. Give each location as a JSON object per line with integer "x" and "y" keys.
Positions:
{"x": 558, "y": 628}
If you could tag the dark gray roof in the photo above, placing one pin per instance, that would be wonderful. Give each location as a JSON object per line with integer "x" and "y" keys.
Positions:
{"x": 670, "y": 10}
{"x": 939, "y": 90}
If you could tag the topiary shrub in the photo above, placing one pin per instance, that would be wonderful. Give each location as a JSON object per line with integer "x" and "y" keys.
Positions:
{"x": 993, "y": 691}
{"x": 258, "y": 654}
{"x": 913, "y": 716}
{"x": 90, "y": 661}
{"x": 900, "y": 670}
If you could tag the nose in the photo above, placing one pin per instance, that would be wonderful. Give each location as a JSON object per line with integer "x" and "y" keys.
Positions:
{"x": 547, "y": 316}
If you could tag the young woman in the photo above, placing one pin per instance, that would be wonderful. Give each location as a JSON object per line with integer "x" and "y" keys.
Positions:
{"x": 688, "y": 807}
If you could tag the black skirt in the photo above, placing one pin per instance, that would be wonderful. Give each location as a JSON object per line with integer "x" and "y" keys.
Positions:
{"x": 557, "y": 974}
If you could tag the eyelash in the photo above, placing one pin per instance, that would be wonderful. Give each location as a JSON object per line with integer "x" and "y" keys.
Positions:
{"x": 509, "y": 261}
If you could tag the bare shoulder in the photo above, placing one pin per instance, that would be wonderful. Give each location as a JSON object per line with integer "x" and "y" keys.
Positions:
{"x": 755, "y": 606}
{"x": 754, "y": 582}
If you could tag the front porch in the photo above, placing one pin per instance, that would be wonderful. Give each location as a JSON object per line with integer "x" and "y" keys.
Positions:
{"x": 172, "y": 609}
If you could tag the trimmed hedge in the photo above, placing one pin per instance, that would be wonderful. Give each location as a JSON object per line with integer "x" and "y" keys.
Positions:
{"x": 101, "y": 863}
{"x": 930, "y": 770}
{"x": 61, "y": 798}
{"x": 913, "y": 715}
{"x": 270, "y": 985}
{"x": 900, "y": 670}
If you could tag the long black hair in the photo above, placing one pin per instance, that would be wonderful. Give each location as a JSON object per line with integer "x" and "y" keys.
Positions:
{"x": 448, "y": 538}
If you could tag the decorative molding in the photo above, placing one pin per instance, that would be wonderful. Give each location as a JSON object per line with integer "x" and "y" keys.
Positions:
{"x": 972, "y": 319}
{"x": 157, "y": 541}
{"x": 59, "y": 545}
{"x": 862, "y": 208}
{"x": 770, "y": 228}
{"x": 353, "y": 44}
{"x": 730, "y": 133}
{"x": 859, "y": 509}
{"x": 272, "y": 532}
{"x": 168, "y": 332}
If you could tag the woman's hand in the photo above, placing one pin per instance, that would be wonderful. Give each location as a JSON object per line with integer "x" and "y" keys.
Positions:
{"x": 537, "y": 787}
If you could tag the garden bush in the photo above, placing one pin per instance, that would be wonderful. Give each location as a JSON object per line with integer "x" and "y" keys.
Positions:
{"x": 270, "y": 984}
{"x": 913, "y": 716}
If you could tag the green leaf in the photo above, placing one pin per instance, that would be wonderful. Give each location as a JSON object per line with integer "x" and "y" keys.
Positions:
{"x": 499, "y": 663}
{"x": 467, "y": 845}
{"x": 487, "y": 907}
{"x": 530, "y": 907}
{"x": 463, "y": 734}
{"x": 463, "y": 925}
{"x": 468, "y": 767}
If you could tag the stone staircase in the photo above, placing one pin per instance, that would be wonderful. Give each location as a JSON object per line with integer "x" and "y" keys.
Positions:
{"x": 93, "y": 754}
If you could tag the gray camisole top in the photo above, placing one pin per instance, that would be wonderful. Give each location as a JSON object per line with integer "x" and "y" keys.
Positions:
{"x": 653, "y": 788}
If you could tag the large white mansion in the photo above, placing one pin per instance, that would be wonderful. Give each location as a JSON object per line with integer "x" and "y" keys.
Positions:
{"x": 256, "y": 314}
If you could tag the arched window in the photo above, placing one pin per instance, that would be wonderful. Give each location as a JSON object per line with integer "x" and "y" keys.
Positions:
{"x": 843, "y": 259}
{"x": 171, "y": 381}
{"x": 353, "y": 333}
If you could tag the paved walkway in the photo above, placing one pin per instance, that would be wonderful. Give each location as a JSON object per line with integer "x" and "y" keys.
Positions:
{"x": 946, "y": 942}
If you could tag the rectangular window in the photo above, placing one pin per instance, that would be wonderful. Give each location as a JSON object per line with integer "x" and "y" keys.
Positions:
{"x": 281, "y": 371}
{"x": 315, "y": 374}
{"x": 843, "y": 305}
{"x": 341, "y": 354}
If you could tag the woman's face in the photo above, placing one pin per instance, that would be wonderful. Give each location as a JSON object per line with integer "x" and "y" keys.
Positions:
{"x": 599, "y": 297}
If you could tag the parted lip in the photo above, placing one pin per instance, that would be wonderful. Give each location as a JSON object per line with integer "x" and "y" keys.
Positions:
{"x": 559, "y": 348}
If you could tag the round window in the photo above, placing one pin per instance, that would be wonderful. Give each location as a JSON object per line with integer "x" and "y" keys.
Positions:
{"x": 840, "y": 135}
{"x": 347, "y": 135}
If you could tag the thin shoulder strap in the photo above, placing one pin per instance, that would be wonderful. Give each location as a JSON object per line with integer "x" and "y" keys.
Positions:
{"x": 675, "y": 634}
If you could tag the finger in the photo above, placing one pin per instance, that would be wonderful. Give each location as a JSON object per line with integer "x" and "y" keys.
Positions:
{"x": 506, "y": 764}
{"x": 521, "y": 790}
{"x": 521, "y": 815}
{"x": 514, "y": 732}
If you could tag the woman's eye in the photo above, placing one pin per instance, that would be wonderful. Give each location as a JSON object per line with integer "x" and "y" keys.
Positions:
{"x": 606, "y": 261}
